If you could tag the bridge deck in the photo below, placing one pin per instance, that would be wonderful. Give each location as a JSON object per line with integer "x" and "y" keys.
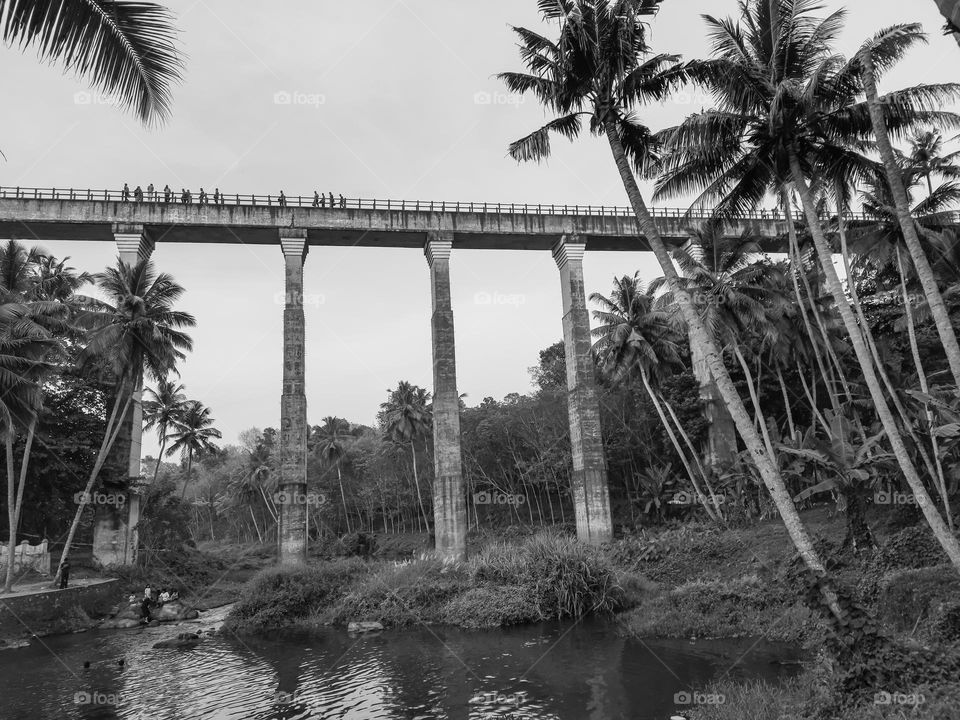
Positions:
{"x": 49, "y": 214}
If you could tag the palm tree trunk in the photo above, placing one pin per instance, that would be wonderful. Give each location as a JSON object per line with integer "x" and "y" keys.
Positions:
{"x": 786, "y": 402}
{"x": 902, "y": 200}
{"x": 693, "y": 454}
{"x": 768, "y": 471}
{"x": 755, "y": 401}
{"x": 925, "y": 389}
{"x": 110, "y": 435}
{"x": 183, "y": 493}
{"x": 416, "y": 480}
{"x": 940, "y": 530}
{"x": 11, "y": 505}
{"x": 24, "y": 464}
{"x": 163, "y": 444}
{"x": 343, "y": 498}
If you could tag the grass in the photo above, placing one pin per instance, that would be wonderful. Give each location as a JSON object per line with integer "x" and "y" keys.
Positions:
{"x": 546, "y": 576}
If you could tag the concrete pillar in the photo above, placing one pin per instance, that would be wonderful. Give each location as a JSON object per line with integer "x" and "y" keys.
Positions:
{"x": 293, "y": 405}
{"x": 115, "y": 536}
{"x": 449, "y": 502}
{"x": 591, "y": 497}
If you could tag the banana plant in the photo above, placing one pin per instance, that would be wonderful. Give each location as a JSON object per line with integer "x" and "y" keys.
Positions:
{"x": 845, "y": 465}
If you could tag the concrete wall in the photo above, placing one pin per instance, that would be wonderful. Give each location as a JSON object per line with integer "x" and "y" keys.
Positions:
{"x": 49, "y": 612}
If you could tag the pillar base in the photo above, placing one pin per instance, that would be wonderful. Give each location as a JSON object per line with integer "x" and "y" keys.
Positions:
{"x": 592, "y": 506}
{"x": 450, "y": 517}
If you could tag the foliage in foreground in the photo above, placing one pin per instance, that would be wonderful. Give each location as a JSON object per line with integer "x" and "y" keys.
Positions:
{"x": 545, "y": 577}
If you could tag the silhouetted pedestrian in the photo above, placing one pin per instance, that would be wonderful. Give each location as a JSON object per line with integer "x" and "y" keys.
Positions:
{"x": 138, "y": 194}
{"x": 203, "y": 197}
{"x": 151, "y": 193}
{"x": 343, "y": 201}
{"x": 316, "y": 199}
{"x": 216, "y": 196}
{"x": 331, "y": 199}
{"x": 282, "y": 200}
{"x": 64, "y": 573}
{"x": 167, "y": 193}
{"x": 126, "y": 192}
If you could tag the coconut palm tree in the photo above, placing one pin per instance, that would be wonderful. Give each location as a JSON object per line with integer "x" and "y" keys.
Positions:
{"x": 193, "y": 434}
{"x": 31, "y": 332}
{"x": 926, "y": 158}
{"x": 636, "y": 337}
{"x": 877, "y": 56}
{"x": 788, "y": 111}
{"x": 329, "y": 439}
{"x": 166, "y": 407}
{"x": 407, "y": 418}
{"x": 125, "y": 49}
{"x": 136, "y": 332}
{"x": 600, "y": 68}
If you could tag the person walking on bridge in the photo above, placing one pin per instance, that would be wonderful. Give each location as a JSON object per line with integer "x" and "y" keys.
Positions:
{"x": 167, "y": 193}
{"x": 203, "y": 197}
{"x": 343, "y": 201}
{"x": 282, "y": 201}
{"x": 151, "y": 193}
{"x": 216, "y": 196}
{"x": 331, "y": 200}
{"x": 184, "y": 196}
{"x": 126, "y": 192}
{"x": 138, "y": 194}
{"x": 316, "y": 199}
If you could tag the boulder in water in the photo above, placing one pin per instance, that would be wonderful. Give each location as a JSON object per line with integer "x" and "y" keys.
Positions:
{"x": 120, "y": 623}
{"x": 364, "y": 626}
{"x": 183, "y": 640}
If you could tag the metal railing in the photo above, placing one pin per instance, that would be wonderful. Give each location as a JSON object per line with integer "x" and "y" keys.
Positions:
{"x": 328, "y": 202}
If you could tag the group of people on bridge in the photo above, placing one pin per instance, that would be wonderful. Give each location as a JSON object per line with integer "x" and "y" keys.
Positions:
{"x": 218, "y": 198}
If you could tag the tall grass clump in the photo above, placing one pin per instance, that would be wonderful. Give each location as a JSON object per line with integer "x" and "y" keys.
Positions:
{"x": 279, "y": 596}
{"x": 561, "y": 576}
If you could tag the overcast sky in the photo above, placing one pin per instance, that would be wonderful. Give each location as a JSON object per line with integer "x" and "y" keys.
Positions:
{"x": 392, "y": 99}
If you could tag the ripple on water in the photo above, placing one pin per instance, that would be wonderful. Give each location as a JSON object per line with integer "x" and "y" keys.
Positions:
{"x": 549, "y": 672}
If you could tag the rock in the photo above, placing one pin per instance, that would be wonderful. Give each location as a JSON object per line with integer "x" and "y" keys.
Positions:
{"x": 119, "y": 623}
{"x": 13, "y": 644}
{"x": 172, "y": 611}
{"x": 183, "y": 640}
{"x": 362, "y": 627}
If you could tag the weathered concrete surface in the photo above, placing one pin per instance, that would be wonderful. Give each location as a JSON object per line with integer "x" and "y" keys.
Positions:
{"x": 52, "y": 611}
{"x": 175, "y": 222}
{"x": 591, "y": 496}
{"x": 449, "y": 501}
{"x": 293, "y": 405}
{"x": 115, "y": 535}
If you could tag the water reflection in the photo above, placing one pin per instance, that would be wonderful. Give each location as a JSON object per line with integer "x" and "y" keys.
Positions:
{"x": 549, "y": 672}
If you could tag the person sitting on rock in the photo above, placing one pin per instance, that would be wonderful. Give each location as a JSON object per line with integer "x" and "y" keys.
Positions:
{"x": 164, "y": 597}
{"x": 132, "y": 600}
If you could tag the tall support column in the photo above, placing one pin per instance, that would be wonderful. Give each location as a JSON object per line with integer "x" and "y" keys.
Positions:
{"x": 115, "y": 535}
{"x": 449, "y": 503}
{"x": 293, "y": 406}
{"x": 591, "y": 497}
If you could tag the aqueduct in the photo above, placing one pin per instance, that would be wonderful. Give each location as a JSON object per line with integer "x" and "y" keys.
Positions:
{"x": 437, "y": 228}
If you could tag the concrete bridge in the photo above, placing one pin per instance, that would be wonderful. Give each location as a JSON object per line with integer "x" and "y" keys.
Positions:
{"x": 435, "y": 228}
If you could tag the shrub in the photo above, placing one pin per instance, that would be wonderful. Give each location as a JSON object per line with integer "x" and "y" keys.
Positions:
{"x": 279, "y": 596}
{"x": 564, "y": 577}
{"x": 404, "y": 593}
{"x": 910, "y": 596}
{"x": 490, "y": 606}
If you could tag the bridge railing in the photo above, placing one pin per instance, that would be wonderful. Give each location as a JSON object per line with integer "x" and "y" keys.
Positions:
{"x": 329, "y": 201}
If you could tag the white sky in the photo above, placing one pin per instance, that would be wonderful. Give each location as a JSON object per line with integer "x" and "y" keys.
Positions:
{"x": 399, "y": 80}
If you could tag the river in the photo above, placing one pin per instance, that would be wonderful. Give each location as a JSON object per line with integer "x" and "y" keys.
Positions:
{"x": 558, "y": 671}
